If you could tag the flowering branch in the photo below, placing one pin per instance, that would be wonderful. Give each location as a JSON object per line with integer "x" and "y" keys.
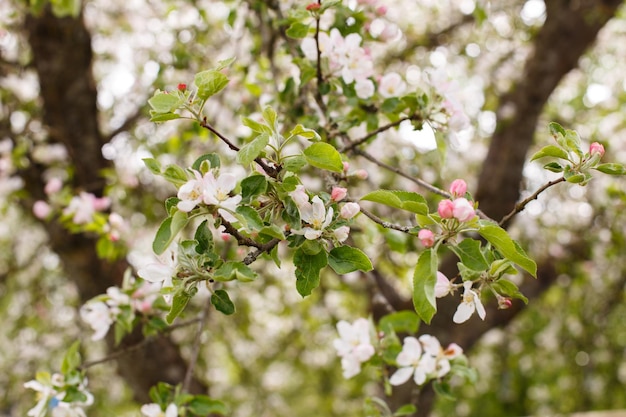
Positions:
{"x": 521, "y": 205}
{"x": 269, "y": 170}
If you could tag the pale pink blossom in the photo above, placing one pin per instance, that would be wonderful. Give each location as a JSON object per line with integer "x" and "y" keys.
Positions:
{"x": 364, "y": 88}
{"x": 217, "y": 192}
{"x": 83, "y": 207}
{"x": 316, "y": 216}
{"x": 41, "y": 209}
{"x": 162, "y": 271}
{"x": 391, "y": 85}
{"x": 463, "y": 210}
{"x": 446, "y": 209}
{"x": 53, "y": 186}
{"x": 299, "y": 196}
{"x": 341, "y": 233}
{"x": 458, "y": 188}
{"x": 443, "y": 286}
{"x": 426, "y": 237}
{"x": 361, "y": 174}
{"x": 349, "y": 210}
{"x": 470, "y": 303}
{"x": 354, "y": 345}
{"x": 191, "y": 193}
{"x": 338, "y": 193}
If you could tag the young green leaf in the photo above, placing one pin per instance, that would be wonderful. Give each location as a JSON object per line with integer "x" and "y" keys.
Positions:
{"x": 470, "y": 254}
{"x": 234, "y": 270}
{"x": 212, "y": 158}
{"x": 508, "y": 288}
{"x": 71, "y": 360}
{"x": 400, "y": 322}
{"x": 256, "y": 126}
{"x": 308, "y": 269}
{"x": 153, "y": 165}
{"x": 168, "y": 231}
{"x": 201, "y": 406}
{"x": 209, "y": 82}
{"x": 179, "y": 302}
{"x": 345, "y": 259}
{"x": 204, "y": 237}
{"x": 297, "y": 30}
{"x": 175, "y": 174}
{"x": 551, "y": 151}
{"x": 507, "y": 247}
{"x": 221, "y": 301}
{"x": 251, "y": 150}
{"x": 163, "y": 102}
{"x": 404, "y": 200}
{"x": 252, "y": 186}
{"x": 611, "y": 169}
{"x": 302, "y": 131}
{"x": 424, "y": 280}
{"x": 324, "y": 156}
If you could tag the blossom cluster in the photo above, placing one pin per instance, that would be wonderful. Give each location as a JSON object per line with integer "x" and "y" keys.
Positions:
{"x": 423, "y": 359}
{"x": 318, "y": 218}
{"x": 154, "y": 410}
{"x": 61, "y": 396}
{"x": 118, "y": 305}
{"x": 210, "y": 190}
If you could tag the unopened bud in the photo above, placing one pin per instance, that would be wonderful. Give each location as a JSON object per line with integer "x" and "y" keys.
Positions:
{"x": 596, "y": 148}
{"x": 313, "y": 7}
{"x": 338, "y": 193}
{"x": 458, "y": 188}
{"x": 182, "y": 87}
{"x": 504, "y": 303}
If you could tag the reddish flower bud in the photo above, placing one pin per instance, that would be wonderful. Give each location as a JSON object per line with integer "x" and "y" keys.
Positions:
{"x": 458, "y": 188}
{"x": 313, "y": 7}
{"x": 446, "y": 209}
{"x": 338, "y": 193}
{"x": 504, "y": 303}
{"x": 596, "y": 148}
{"x": 182, "y": 87}
{"x": 426, "y": 237}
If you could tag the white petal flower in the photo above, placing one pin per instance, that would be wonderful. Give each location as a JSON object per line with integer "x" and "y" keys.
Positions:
{"x": 217, "y": 193}
{"x": 471, "y": 302}
{"x": 354, "y": 345}
{"x": 191, "y": 193}
{"x": 154, "y": 410}
{"x": 316, "y": 216}
{"x": 98, "y": 316}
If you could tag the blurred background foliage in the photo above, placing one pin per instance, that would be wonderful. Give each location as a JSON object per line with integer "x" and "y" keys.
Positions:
{"x": 566, "y": 352}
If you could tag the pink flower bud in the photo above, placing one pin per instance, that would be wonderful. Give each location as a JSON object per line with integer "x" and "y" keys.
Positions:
{"x": 182, "y": 87}
{"x": 41, "y": 209}
{"x": 596, "y": 148}
{"x": 426, "y": 237}
{"x": 504, "y": 303}
{"x": 463, "y": 210}
{"x": 361, "y": 174}
{"x": 443, "y": 285}
{"x": 458, "y": 188}
{"x": 313, "y": 7}
{"x": 346, "y": 166}
{"x": 101, "y": 203}
{"x": 341, "y": 233}
{"x": 53, "y": 186}
{"x": 446, "y": 209}
{"x": 349, "y": 210}
{"x": 338, "y": 193}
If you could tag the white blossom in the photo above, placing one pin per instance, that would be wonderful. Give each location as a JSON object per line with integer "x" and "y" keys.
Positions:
{"x": 471, "y": 302}
{"x": 354, "y": 345}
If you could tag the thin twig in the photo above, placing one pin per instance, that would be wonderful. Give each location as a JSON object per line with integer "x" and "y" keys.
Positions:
{"x": 266, "y": 247}
{"x": 269, "y": 170}
{"x": 386, "y": 225}
{"x": 138, "y": 345}
{"x": 195, "y": 352}
{"x": 373, "y": 133}
{"x": 320, "y": 77}
{"x": 522, "y": 204}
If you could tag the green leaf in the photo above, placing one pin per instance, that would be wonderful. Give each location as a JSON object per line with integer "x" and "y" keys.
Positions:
{"x": 179, "y": 302}
{"x": 553, "y": 167}
{"x": 405, "y": 410}
{"x": 71, "y": 360}
{"x": 234, "y": 270}
{"x": 304, "y": 132}
{"x": 271, "y": 118}
{"x": 221, "y": 302}
{"x": 251, "y": 150}
{"x": 212, "y": 158}
{"x": 204, "y": 237}
{"x": 424, "y": 280}
{"x": 250, "y": 217}
{"x": 170, "y": 205}
{"x": 273, "y": 231}
{"x": 175, "y": 174}
{"x": 297, "y": 30}
{"x": 556, "y": 129}
{"x": 552, "y": 151}
{"x": 324, "y": 156}
{"x": 163, "y": 117}
{"x": 252, "y": 186}
{"x": 443, "y": 390}
{"x": 508, "y": 288}
{"x": 404, "y": 200}
{"x": 507, "y": 247}
{"x": 256, "y": 126}
{"x": 202, "y": 406}
{"x": 224, "y": 63}
{"x": 163, "y": 102}
{"x": 209, "y": 82}
{"x": 153, "y": 165}
{"x": 611, "y": 169}
{"x": 168, "y": 231}
{"x": 294, "y": 163}
{"x": 345, "y": 259}
{"x": 308, "y": 269}
{"x": 470, "y": 254}
{"x": 400, "y": 322}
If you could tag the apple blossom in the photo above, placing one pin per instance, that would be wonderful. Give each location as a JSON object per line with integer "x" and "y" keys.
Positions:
{"x": 216, "y": 192}
{"x": 191, "y": 193}
{"x": 443, "y": 286}
{"x": 154, "y": 410}
{"x": 161, "y": 271}
{"x": 361, "y": 174}
{"x": 470, "y": 303}
{"x": 349, "y": 210}
{"x": 446, "y": 209}
{"x": 596, "y": 148}
{"x": 463, "y": 210}
{"x": 458, "y": 188}
{"x": 354, "y": 345}
{"x": 341, "y": 233}
{"x": 314, "y": 213}
{"x": 83, "y": 207}
{"x": 53, "y": 186}
{"x": 41, "y": 209}
{"x": 338, "y": 193}
{"x": 364, "y": 88}
{"x": 98, "y": 316}
{"x": 426, "y": 237}
{"x": 411, "y": 362}
{"x": 299, "y": 196}
{"x": 391, "y": 85}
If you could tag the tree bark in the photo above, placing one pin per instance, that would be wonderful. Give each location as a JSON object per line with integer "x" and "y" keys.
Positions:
{"x": 63, "y": 58}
